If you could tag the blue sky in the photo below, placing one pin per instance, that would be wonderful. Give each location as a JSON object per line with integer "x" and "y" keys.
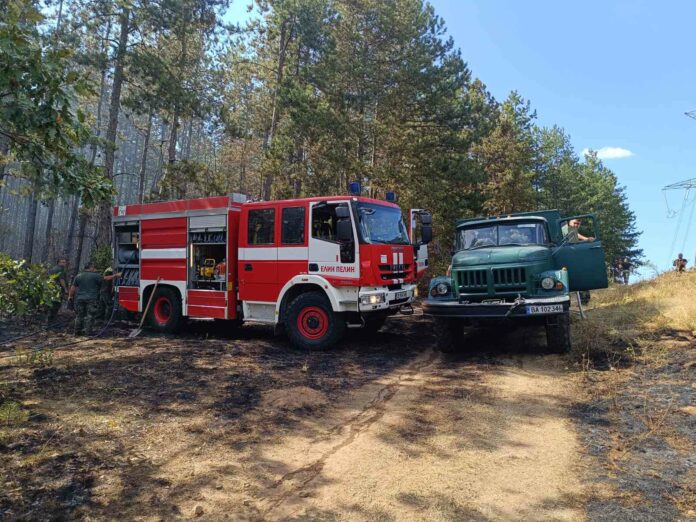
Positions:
{"x": 613, "y": 74}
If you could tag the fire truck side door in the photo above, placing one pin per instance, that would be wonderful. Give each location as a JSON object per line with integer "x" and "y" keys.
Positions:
{"x": 258, "y": 254}
{"x": 328, "y": 256}
{"x": 418, "y": 218}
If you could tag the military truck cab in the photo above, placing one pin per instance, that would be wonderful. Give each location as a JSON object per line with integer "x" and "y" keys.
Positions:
{"x": 517, "y": 267}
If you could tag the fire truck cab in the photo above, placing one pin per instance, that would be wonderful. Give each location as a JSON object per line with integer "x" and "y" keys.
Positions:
{"x": 314, "y": 266}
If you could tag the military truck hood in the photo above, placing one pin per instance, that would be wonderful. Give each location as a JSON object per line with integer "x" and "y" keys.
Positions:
{"x": 500, "y": 255}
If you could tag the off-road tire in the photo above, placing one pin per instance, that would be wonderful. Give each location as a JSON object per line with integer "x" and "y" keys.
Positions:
{"x": 448, "y": 334}
{"x": 165, "y": 314}
{"x": 311, "y": 324}
{"x": 558, "y": 333}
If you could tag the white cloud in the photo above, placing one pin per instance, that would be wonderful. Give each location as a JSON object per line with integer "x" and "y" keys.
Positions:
{"x": 606, "y": 153}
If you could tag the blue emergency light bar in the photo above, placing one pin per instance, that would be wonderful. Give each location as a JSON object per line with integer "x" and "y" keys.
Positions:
{"x": 391, "y": 197}
{"x": 355, "y": 188}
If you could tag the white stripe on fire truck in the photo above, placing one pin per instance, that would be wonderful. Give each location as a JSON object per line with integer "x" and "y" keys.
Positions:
{"x": 272, "y": 254}
{"x": 401, "y": 258}
{"x": 395, "y": 258}
{"x": 163, "y": 253}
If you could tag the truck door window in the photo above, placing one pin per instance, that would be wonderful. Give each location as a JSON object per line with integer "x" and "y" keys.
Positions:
{"x": 324, "y": 222}
{"x": 578, "y": 229}
{"x": 261, "y": 227}
{"x": 293, "y": 226}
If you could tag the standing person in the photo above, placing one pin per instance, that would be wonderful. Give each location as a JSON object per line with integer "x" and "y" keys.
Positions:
{"x": 58, "y": 271}
{"x": 617, "y": 270}
{"x": 679, "y": 264}
{"x": 626, "y": 269}
{"x": 106, "y": 295}
{"x": 84, "y": 294}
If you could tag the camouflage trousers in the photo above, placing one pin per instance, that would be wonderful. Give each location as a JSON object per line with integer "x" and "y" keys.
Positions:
{"x": 104, "y": 306}
{"x": 85, "y": 315}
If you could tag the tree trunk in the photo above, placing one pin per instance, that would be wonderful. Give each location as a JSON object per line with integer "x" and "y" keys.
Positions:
{"x": 103, "y": 236}
{"x": 48, "y": 237}
{"x": 143, "y": 161}
{"x": 284, "y": 40}
{"x": 75, "y": 263}
{"x": 32, "y": 209}
{"x": 71, "y": 230}
{"x": 4, "y": 150}
{"x": 173, "y": 136}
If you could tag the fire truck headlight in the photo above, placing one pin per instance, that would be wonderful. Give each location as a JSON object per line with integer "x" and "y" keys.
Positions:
{"x": 372, "y": 299}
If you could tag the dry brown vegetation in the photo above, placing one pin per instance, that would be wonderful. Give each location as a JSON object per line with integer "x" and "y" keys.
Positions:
{"x": 637, "y": 417}
{"x": 624, "y": 322}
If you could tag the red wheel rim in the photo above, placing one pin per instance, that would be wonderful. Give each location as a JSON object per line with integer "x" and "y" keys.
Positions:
{"x": 163, "y": 310}
{"x": 313, "y": 322}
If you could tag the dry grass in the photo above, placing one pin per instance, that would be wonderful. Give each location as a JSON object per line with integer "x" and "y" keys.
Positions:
{"x": 624, "y": 320}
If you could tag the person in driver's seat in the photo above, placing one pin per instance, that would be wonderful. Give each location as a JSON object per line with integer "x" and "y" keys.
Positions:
{"x": 574, "y": 234}
{"x": 323, "y": 229}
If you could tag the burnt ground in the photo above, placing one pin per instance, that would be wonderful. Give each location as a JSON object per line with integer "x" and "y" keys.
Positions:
{"x": 639, "y": 425}
{"x": 241, "y": 425}
{"x": 90, "y": 405}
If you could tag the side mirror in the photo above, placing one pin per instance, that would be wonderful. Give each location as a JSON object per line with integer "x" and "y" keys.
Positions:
{"x": 344, "y": 230}
{"x": 342, "y": 212}
{"x": 426, "y": 234}
{"x": 426, "y": 218}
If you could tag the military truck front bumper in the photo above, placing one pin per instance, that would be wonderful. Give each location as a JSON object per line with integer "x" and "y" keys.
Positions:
{"x": 521, "y": 308}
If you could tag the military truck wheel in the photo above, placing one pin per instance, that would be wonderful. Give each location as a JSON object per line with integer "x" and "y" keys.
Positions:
{"x": 558, "y": 333}
{"x": 448, "y": 333}
{"x": 311, "y": 324}
{"x": 165, "y": 311}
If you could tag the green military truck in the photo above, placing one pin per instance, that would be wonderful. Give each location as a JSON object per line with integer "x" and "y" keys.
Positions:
{"x": 520, "y": 267}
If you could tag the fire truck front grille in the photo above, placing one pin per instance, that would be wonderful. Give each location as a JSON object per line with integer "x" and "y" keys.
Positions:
{"x": 472, "y": 281}
{"x": 388, "y": 272}
{"x": 509, "y": 279}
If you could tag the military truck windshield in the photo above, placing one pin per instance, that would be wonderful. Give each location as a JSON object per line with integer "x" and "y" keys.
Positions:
{"x": 509, "y": 234}
{"x": 381, "y": 224}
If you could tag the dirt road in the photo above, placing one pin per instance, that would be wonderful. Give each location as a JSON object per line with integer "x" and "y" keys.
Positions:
{"x": 438, "y": 440}
{"x": 249, "y": 429}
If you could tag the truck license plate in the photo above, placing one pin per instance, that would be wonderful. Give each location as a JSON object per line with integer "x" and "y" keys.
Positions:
{"x": 401, "y": 295}
{"x": 544, "y": 309}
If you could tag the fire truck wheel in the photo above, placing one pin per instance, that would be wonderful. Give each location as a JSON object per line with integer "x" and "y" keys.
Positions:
{"x": 558, "y": 333}
{"x": 448, "y": 333}
{"x": 165, "y": 311}
{"x": 312, "y": 324}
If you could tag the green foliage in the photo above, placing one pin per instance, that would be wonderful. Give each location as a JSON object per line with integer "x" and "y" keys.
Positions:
{"x": 12, "y": 414}
{"x": 103, "y": 257}
{"x": 41, "y": 125}
{"x": 25, "y": 289}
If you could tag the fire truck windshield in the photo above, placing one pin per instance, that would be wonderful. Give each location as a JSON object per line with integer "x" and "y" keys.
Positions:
{"x": 381, "y": 224}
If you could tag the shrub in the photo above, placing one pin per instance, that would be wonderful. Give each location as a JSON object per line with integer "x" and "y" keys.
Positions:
{"x": 25, "y": 289}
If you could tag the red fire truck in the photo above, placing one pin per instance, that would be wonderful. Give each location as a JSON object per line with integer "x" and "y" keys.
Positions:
{"x": 314, "y": 266}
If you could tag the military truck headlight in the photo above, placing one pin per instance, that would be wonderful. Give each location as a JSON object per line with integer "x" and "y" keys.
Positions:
{"x": 442, "y": 289}
{"x": 547, "y": 283}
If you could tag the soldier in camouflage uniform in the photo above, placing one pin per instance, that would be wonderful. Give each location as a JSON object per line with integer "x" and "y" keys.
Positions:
{"x": 84, "y": 294}
{"x": 59, "y": 272}
{"x": 106, "y": 292}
